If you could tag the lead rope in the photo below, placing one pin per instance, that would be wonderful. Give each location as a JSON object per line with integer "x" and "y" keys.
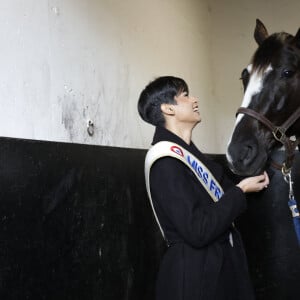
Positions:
{"x": 293, "y": 204}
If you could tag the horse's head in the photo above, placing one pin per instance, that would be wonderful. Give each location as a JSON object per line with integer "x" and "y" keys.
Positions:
{"x": 271, "y": 90}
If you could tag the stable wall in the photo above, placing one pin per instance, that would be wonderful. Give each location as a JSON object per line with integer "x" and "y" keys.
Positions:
{"x": 75, "y": 223}
{"x": 64, "y": 62}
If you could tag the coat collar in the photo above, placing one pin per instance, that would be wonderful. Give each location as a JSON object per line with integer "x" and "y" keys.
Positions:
{"x": 163, "y": 134}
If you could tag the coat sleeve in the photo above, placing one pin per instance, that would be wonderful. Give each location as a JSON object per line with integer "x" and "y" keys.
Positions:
{"x": 184, "y": 204}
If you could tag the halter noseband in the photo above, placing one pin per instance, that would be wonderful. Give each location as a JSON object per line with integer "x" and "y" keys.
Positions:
{"x": 278, "y": 133}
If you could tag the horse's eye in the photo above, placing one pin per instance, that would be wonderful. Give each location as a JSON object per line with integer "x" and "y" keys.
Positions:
{"x": 245, "y": 78}
{"x": 287, "y": 73}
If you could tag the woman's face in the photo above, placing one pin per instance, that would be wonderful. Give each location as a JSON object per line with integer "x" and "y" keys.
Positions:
{"x": 187, "y": 110}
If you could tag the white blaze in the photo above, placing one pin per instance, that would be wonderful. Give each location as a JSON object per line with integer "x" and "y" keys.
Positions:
{"x": 253, "y": 88}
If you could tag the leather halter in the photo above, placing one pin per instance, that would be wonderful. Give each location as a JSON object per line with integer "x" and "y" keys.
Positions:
{"x": 279, "y": 134}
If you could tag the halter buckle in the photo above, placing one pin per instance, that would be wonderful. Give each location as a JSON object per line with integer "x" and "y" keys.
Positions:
{"x": 279, "y": 134}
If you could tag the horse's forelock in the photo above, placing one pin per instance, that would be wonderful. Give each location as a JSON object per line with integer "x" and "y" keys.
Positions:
{"x": 264, "y": 55}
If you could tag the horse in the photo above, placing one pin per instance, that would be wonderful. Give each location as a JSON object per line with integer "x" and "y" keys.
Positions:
{"x": 270, "y": 112}
{"x": 269, "y": 118}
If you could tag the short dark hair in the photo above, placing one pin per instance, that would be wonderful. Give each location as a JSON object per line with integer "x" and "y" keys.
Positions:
{"x": 159, "y": 91}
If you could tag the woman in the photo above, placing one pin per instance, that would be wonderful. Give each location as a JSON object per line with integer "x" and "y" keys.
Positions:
{"x": 205, "y": 258}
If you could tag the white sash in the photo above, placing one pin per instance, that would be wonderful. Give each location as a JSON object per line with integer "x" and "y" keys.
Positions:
{"x": 202, "y": 173}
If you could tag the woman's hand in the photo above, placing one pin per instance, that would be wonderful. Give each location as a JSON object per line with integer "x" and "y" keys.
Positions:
{"x": 255, "y": 183}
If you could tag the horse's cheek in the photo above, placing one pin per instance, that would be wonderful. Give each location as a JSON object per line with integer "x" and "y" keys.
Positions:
{"x": 280, "y": 104}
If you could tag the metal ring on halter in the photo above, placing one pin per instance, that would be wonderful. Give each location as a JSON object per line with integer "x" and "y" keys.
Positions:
{"x": 279, "y": 134}
{"x": 288, "y": 179}
{"x": 285, "y": 171}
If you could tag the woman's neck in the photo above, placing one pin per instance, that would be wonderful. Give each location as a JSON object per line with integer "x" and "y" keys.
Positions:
{"x": 184, "y": 133}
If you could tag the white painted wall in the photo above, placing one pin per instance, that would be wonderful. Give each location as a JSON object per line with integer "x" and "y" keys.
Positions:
{"x": 64, "y": 62}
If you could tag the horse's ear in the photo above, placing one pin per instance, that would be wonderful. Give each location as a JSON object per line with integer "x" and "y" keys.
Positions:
{"x": 297, "y": 38}
{"x": 260, "y": 33}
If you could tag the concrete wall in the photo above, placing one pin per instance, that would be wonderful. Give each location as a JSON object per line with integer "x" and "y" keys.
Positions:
{"x": 64, "y": 62}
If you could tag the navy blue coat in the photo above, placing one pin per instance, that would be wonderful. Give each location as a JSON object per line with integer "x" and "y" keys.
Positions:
{"x": 200, "y": 262}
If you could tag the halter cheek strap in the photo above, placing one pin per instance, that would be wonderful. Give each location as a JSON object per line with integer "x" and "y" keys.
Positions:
{"x": 202, "y": 173}
{"x": 278, "y": 133}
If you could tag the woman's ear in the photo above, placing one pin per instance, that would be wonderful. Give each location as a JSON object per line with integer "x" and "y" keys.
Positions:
{"x": 167, "y": 109}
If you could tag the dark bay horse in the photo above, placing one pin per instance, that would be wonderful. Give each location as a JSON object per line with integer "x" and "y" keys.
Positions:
{"x": 272, "y": 95}
{"x": 268, "y": 119}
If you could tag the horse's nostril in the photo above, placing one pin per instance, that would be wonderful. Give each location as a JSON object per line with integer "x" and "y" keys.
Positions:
{"x": 242, "y": 154}
{"x": 249, "y": 154}
{"x": 246, "y": 155}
